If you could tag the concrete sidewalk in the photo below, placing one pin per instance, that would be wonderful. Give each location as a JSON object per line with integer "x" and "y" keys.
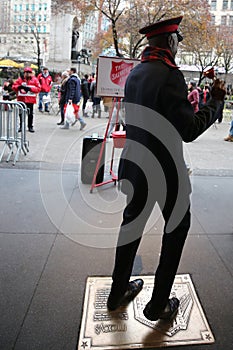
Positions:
{"x": 51, "y": 147}
{"x": 54, "y": 233}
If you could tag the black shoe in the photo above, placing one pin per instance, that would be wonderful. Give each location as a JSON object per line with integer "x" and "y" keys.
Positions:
{"x": 46, "y": 110}
{"x": 40, "y": 110}
{"x": 31, "y": 129}
{"x": 134, "y": 288}
{"x": 167, "y": 314}
{"x": 60, "y": 123}
{"x": 20, "y": 129}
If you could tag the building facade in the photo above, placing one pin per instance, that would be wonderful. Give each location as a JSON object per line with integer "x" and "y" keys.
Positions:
{"x": 222, "y": 12}
{"x": 25, "y": 24}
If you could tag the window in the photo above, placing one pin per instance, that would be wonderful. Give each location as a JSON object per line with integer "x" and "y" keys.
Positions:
{"x": 15, "y": 8}
{"x": 39, "y": 29}
{"x": 40, "y": 7}
{"x": 44, "y": 29}
{"x": 231, "y": 21}
{"x": 45, "y": 18}
{"x": 223, "y": 20}
{"x": 39, "y": 18}
{"x": 27, "y": 7}
{"x": 33, "y": 7}
{"x": 225, "y": 4}
{"x": 231, "y": 5}
{"x": 213, "y": 4}
{"x": 45, "y": 6}
{"x": 20, "y": 7}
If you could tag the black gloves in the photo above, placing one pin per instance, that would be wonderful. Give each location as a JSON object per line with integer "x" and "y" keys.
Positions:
{"x": 25, "y": 88}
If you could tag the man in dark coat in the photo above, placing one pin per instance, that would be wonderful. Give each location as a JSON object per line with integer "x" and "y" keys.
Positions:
{"x": 85, "y": 93}
{"x": 73, "y": 95}
{"x": 152, "y": 169}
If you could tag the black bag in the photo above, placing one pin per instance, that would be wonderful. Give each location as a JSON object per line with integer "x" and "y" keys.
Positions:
{"x": 90, "y": 154}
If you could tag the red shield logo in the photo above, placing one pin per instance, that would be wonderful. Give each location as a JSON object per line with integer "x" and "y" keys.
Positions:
{"x": 119, "y": 72}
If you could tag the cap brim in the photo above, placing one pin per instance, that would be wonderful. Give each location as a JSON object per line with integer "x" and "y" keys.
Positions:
{"x": 179, "y": 36}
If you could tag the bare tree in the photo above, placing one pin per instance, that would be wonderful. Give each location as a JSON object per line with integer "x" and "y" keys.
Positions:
{"x": 224, "y": 46}
{"x": 200, "y": 42}
{"x": 112, "y": 9}
{"x": 32, "y": 27}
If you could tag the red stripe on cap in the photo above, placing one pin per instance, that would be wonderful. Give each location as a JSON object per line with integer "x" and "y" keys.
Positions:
{"x": 165, "y": 29}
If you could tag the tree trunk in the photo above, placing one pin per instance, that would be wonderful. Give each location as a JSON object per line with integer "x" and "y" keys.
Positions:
{"x": 115, "y": 39}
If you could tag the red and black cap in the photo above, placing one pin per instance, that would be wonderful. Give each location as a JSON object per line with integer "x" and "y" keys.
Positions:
{"x": 162, "y": 27}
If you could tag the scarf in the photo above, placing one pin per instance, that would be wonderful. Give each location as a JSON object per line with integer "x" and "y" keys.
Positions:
{"x": 151, "y": 53}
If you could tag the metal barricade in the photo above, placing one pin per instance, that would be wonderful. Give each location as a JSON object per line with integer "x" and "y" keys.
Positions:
{"x": 13, "y": 141}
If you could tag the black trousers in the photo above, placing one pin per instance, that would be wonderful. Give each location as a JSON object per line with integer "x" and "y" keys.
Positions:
{"x": 30, "y": 115}
{"x": 138, "y": 209}
{"x": 85, "y": 99}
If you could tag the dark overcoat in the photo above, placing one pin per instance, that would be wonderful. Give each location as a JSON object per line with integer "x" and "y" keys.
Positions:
{"x": 159, "y": 118}
{"x": 73, "y": 91}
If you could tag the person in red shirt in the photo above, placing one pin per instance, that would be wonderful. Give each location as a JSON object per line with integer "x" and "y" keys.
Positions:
{"x": 27, "y": 88}
{"x": 193, "y": 96}
{"x": 46, "y": 82}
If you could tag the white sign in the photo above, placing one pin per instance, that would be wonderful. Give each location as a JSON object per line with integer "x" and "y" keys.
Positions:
{"x": 112, "y": 73}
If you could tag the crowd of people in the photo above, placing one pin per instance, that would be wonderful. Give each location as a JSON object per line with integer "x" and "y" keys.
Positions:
{"x": 32, "y": 89}
{"x": 199, "y": 95}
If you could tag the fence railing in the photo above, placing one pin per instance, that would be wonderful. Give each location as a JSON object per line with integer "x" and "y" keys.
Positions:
{"x": 12, "y": 142}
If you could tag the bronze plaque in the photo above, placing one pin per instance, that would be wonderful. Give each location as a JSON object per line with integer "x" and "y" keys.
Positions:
{"x": 127, "y": 327}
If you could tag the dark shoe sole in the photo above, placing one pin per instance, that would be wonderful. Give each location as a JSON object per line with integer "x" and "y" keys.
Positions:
{"x": 134, "y": 288}
{"x": 173, "y": 304}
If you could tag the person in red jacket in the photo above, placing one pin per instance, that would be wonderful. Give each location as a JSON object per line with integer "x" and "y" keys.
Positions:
{"x": 46, "y": 82}
{"x": 27, "y": 88}
{"x": 193, "y": 96}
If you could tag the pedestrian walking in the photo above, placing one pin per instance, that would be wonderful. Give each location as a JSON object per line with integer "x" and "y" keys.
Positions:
{"x": 85, "y": 93}
{"x": 95, "y": 99}
{"x": 193, "y": 95}
{"x": 159, "y": 118}
{"x": 230, "y": 136}
{"x": 27, "y": 88}
{"x": 73, "y": 94}
{"x": 62, "y": 95}
{"x": 8, "y": 94}
{"x": 46, "y": 82}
